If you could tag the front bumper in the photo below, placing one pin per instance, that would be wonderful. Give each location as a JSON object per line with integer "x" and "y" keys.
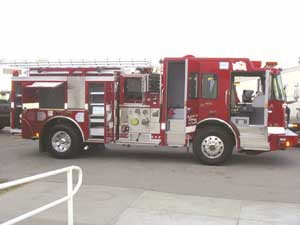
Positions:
{"x": 295, "y": 127}
{"x": 283, "y": 141}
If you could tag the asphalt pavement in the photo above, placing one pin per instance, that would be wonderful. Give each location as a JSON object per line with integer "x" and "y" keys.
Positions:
{"x": 116, "y": 179}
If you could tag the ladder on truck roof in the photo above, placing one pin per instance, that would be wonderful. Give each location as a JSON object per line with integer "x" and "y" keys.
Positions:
{"x": 77, "y": 63}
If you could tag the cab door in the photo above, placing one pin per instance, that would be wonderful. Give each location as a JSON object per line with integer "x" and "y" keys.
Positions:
{"x": 214, "y": 86}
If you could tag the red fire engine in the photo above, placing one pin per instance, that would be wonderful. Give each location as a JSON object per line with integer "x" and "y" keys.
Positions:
{"x": 193, "y": 101}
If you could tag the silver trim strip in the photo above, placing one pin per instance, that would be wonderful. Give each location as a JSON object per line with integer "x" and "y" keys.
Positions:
{"x": 48, "y": 72}
{"x": 256, "y": 149}
{"x": 40, "y": 78}
{"x": 62, "y": 78}
{"x": 106, "y": 72}
{"x": 185, "y": 90}
{"x": 100, "y": 78}
{"x": 267, "y": 95}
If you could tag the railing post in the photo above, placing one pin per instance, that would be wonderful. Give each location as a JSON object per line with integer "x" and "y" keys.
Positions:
{"x": 70, "y": 195}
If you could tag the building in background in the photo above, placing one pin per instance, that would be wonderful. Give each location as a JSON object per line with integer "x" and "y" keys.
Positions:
{"x": 6, "y": 74}
{"x": 291, "y": 81}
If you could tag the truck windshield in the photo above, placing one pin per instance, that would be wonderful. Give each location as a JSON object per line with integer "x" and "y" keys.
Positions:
{"x": 277, "y": 88}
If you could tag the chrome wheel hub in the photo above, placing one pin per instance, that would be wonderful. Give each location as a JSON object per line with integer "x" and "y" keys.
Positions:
{"x": 61, "y": 141}
{"x": 212, "y": 147}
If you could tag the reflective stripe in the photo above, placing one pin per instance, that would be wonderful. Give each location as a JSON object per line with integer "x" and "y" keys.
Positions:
{"x": 190, "y": 129}
{"x": 100, "y": 78}
{"x": 276, "y": 130}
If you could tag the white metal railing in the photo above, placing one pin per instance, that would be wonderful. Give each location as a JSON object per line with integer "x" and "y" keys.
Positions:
{"x": 69, "y": 197}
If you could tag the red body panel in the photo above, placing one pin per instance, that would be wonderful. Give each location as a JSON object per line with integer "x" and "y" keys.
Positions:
{"x": 32, "y": 128}
{"x": 276, "y": 117}
{"x": 197, "y": 109}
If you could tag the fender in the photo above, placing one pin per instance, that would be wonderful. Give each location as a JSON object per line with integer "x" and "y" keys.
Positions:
{"x": 231, "y": 127}
{"x": 67, "y": 118}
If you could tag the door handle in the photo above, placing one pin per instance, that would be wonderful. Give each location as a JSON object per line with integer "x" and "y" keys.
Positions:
{"x": 226, "y": 96}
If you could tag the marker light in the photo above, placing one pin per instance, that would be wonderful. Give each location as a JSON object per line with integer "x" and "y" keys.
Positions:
{"x": 293, "y": 125}
{"x": 271, "y": 64}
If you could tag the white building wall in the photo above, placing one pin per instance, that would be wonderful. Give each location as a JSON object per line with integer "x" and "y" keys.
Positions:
{"x": 291, "y": 78}
{"x": 6, "y": 75}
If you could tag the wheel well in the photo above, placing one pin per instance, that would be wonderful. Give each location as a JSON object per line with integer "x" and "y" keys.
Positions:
{"x": 219, "y": 124}
{"x": 52, "y": 123}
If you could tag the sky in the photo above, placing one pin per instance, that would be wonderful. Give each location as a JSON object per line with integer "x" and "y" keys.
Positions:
{"x": 151, "y": 29}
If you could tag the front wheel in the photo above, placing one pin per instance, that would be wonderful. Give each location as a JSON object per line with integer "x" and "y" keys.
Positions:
{"x": 212, "y": 145}
{"x": 63, "y": 141}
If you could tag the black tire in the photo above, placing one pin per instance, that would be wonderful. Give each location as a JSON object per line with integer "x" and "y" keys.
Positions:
{"x": 1, "y": 127}
{"x": 73, "y": 138}
{"x": 223, "y": 151}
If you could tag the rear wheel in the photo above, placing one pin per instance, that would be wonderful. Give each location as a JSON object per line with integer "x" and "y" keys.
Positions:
{"x": 212, "y": 145}
{"x": 63, "y": 141}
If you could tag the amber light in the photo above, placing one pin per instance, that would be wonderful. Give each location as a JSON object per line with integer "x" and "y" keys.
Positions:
{"x": 287, "y": 144}
{"x": 271, "y": 64}
{"x": 293, "y": 125}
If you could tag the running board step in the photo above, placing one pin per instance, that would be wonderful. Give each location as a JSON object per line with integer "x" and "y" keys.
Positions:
{"x": 175, "y": 138}
{"x": 258, "y": 142}
{"x": 94, "y": 140}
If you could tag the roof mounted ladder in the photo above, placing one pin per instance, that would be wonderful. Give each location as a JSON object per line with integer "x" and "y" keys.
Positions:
{"x": 77, "y": 63}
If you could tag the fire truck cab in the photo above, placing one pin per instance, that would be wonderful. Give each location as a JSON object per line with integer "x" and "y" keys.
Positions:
{"x": 196, "y": 101}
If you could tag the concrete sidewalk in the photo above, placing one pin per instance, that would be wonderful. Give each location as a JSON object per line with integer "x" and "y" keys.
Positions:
{"x": 103, "y": 205}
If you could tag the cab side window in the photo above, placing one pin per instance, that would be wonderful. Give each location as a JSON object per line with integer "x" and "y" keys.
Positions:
{"x": 209, "y": 86}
